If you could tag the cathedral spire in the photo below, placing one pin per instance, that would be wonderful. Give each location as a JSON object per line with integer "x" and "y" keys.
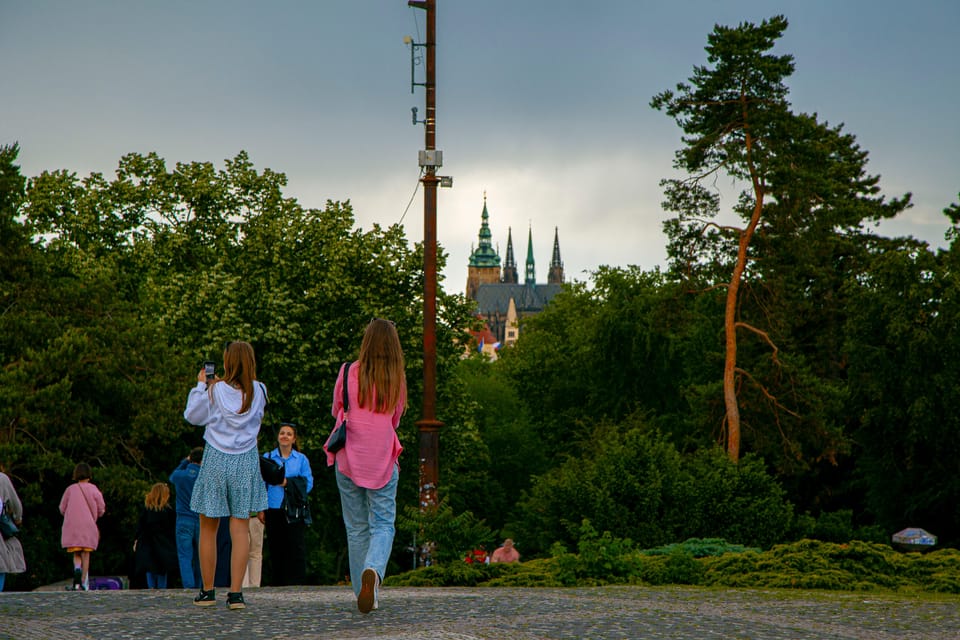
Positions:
{"x": 484, "y": 264}
{"x": 531, "y": 275}
{"x": 510, "y": 263}
{"x": 555, "y": 275}
{"x": 485, "y": 255}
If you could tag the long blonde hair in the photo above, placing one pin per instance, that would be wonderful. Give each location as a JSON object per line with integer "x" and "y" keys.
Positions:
{"x": 383, "y": 382}
{"x": 158, "y": 497}
{"x": 240, "y": 370}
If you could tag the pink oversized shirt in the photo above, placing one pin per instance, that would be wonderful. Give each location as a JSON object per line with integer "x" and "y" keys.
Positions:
{"x": 81, "y": 505}
{"x": 372, "y": 445}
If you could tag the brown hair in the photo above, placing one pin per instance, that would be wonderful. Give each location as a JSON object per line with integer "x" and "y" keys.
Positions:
{"x": 383, "y": 382}
{"x": 158, "y": 497}
{"x": 296, "y": 434}
{"x": 240, "y": 370}
{"x": 81, "y": 472}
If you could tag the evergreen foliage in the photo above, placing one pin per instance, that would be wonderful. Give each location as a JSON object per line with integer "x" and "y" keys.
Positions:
{"x": 805, "y": 564}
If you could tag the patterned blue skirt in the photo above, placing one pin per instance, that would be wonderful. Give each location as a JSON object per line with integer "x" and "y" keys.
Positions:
{"x": 229, "y": 485}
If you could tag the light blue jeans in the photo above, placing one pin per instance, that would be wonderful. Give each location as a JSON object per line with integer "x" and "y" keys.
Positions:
{"x": 369, "y": 516}
{"x": 188, "y": 537}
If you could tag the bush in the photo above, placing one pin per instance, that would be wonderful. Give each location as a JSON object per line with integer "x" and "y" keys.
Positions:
{"x": 807, "y": 564}
{"x": 740, "y": 502}
{"x": 451, "y": 533}
{"x": 633, "y": 482}
{"x": 699, "y": 548}
{"x": 676, "y": 567}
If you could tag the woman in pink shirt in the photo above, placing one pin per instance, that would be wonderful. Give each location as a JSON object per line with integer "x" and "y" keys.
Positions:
{"x": 81, "y": 505}
{"x": 366, "y": 468}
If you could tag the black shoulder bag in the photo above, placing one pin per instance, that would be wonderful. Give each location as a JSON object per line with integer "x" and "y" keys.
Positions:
{"x": 338, "y": 438}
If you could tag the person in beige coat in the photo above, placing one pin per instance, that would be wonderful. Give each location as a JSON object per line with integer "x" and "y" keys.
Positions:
{"x": 11, "y": 551}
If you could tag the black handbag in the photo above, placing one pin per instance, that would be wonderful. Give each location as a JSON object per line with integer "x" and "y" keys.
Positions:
{"x": 8, "y": 528}
{"x": 338, "y": 437}
{"x": 271, "y": 471}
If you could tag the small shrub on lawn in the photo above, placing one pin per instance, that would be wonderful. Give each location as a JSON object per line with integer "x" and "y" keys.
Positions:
{"x": 700, "y": 548}
{"x": 676, "y": 567}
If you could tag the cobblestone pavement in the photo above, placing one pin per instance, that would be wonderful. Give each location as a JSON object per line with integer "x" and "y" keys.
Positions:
{"x": 484, "y": 613}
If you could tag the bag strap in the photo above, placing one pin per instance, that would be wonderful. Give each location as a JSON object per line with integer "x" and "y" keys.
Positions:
{"x": 93, "y": 512}
{"x": 346, "y": 395}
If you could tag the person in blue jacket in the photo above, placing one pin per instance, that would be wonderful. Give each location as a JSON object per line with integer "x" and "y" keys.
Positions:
{"x": 187, "y": 532}
{"x": 285, "y": 536}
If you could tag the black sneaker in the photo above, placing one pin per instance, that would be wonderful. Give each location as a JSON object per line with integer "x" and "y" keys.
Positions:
{"x": 235, "y": 600}
{"x": 206, "y": 598}
{"x": 77, "y": 579}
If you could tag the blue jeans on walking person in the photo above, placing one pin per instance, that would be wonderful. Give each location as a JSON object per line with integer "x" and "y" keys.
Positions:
{"x": 156, "y": 580}
{"x": 368, "y": 516}
{"x": 188, "y": 537}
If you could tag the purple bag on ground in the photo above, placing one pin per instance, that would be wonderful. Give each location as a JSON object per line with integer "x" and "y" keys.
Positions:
{"x": 102, "y": 583}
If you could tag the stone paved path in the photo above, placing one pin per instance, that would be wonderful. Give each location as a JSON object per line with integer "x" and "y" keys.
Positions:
{"x": 308, "y": 613}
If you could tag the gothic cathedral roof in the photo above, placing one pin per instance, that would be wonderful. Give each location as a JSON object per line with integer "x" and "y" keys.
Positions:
{"x": 497, "y": 293}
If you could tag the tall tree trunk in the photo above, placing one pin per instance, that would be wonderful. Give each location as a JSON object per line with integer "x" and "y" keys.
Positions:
{"x": 730, "y": 310}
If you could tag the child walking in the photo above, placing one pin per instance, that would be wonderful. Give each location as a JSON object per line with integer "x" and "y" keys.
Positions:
{"x": 81, "y": 505}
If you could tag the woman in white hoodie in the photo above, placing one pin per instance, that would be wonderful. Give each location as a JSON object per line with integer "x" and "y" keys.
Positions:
{"x": 229, "y": 483}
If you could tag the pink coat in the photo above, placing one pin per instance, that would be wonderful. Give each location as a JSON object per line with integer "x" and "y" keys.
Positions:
{"x": 81, "y": 505}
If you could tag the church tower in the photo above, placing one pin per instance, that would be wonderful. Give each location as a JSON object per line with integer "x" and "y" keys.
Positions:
{"x": 509, "y": 264}
{"x": 484, "y": 265}
{"x": 502, "y": 302}
{"x": 555, "y": 275}
{"x": 531, "y": 272}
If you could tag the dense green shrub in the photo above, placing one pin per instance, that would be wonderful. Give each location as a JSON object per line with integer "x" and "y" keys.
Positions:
{"x": 676, "y": 567}
{"x": 602, "y": 556}
{"x": 737, "y": 502}
{"x": 633, "y": 482}
{"x": 451, "y": 533}
{"x": 807, "y": 564}
{"x": 699, "y": 548}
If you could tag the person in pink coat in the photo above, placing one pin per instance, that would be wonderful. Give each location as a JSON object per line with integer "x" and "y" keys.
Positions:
{"x": 81, "y": 505}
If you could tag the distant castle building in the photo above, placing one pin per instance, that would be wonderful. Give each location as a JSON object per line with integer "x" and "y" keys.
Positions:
{"x": 501, "y": 299}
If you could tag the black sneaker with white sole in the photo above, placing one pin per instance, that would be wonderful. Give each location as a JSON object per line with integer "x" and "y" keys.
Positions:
{"x": 206, "y": 598}
{"x": 235, "y": 600}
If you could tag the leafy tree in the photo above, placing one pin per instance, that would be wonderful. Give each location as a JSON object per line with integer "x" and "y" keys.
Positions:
{"x": 904, "y": 348}
{"x": 504, "y": 454}
{"x": 134, "y": 281}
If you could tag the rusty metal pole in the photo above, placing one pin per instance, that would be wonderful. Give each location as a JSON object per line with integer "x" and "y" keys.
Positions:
{"x": 428, "y": 426}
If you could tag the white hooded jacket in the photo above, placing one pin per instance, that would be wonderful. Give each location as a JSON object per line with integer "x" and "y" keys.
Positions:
{"x": 227, "y": 430}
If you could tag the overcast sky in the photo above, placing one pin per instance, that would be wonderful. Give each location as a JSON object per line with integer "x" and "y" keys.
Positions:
{"x": 542, "y": 104}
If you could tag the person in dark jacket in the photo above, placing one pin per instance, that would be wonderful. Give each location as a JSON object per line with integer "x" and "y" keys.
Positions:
{"x": 155, "y": 549}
